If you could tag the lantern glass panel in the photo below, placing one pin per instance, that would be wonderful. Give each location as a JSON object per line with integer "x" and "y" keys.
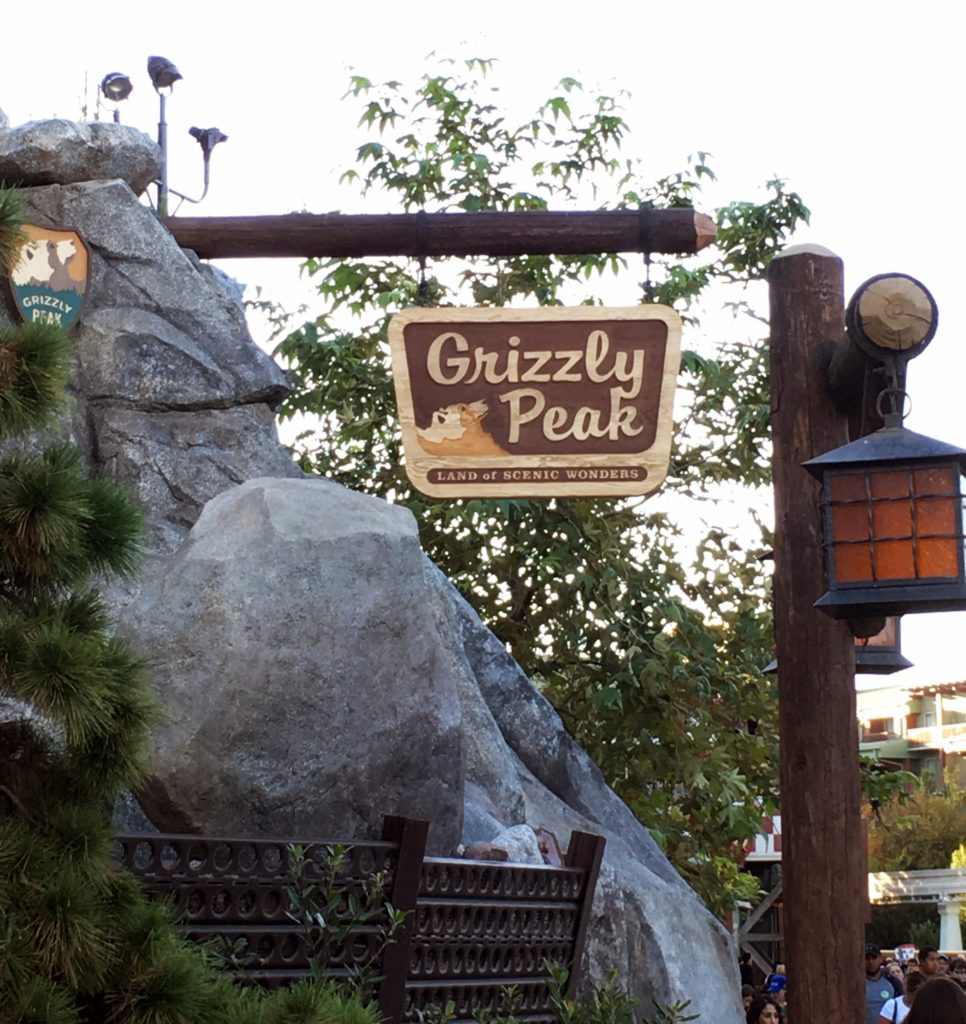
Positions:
{"x": 850, "y": 527}
{"x": 893, "y": 556}
{"x": 937, "y": 492}
{"x": 895, "y": 524}
{"x": 886, "y": 637}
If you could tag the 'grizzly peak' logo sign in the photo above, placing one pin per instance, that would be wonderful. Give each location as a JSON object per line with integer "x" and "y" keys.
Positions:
{"x": 545, "y": 402}
{"x": 49, "y": 279}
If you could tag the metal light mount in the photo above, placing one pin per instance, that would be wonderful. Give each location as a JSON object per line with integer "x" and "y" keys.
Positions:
{"x": 892, "y": 504}
{"x": 116, "y": 87}
{"x": 207, "y": 138}
{"x": 163, "y": 75}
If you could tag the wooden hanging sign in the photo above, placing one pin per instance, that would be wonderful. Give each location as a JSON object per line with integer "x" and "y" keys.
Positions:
{"x": 548, "y": 402}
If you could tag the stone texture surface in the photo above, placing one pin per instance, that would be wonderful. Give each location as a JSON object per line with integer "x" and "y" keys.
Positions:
{"x": 171, "y": 396}
{"x": 296, "y": 650}
{"x": 62, "y": 152}
{"x": 523, "y": 766}
{"x": 521, "y": 844}
{"x": 4, "y": 121}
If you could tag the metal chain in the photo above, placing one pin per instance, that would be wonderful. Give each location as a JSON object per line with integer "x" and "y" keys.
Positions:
{"x": 645, "y": 245}
{"x": 422, "y": 292}
{"x": 648, "y": 287}
{"x": 893, "y": 402}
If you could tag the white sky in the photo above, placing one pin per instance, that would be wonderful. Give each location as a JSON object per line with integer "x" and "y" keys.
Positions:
{"x": 857, "y": 104}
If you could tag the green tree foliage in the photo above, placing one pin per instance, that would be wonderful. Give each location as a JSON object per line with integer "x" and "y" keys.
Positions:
{"x": 650, "y": 648}
{"x": 894, "y": 924}
{"x": 78, "y": 940}
{"x": 919, "y": 831}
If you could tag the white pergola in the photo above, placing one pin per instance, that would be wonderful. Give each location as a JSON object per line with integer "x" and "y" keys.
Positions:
{"x": 944, "y": 887}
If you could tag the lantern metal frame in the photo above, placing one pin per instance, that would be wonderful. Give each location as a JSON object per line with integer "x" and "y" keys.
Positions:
{"x": 892, "y": 449}
{"x": 881, "y": 654}
{"x": 878, "y": 655}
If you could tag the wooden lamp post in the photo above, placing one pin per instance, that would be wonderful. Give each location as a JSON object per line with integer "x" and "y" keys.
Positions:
{"x": 893, "y": 534}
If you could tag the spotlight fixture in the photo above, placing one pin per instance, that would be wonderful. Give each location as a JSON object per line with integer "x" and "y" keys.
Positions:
{"x": 163, "y": 73}
{"x": 208, "y": 138}
{"x": 116, "y": 87}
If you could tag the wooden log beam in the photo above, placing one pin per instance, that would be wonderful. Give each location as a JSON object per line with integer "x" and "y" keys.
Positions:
{"x": 529, "y": 232}
{"x": 823, "y": 845}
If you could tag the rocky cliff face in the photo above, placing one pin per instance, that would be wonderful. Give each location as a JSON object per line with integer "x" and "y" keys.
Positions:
{"x": 317, "y": 671}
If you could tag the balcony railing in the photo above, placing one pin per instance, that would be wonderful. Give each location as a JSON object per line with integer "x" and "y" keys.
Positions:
{"x": 938, "y": 736}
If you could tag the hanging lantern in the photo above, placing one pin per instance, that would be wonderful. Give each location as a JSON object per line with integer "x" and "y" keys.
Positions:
{"x": 878, "y": 655}
{"x": 893, "y": 521}
{"x": 881, "y": 655}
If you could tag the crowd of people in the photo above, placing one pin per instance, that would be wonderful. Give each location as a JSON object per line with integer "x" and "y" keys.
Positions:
{"x": 928, "y": 989}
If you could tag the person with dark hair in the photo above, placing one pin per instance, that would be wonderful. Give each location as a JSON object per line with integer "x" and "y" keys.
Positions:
{"x": 929, "y": 962}
{"x": 763, "y": 1010}
{"x": 747, "y": 996}
{"x": 879, "y": 986}
{"x": 957, "y": 969}
{"x": 896, "y": 1010}
{"x": 939, "y": 1001}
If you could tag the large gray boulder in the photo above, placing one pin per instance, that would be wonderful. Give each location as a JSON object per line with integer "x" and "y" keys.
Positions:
{"x": 60, "y": 152}
{"x": 296, "y": 649}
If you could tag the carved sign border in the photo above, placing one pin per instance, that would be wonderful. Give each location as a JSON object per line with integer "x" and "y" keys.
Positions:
{"x": 493, "y": 471}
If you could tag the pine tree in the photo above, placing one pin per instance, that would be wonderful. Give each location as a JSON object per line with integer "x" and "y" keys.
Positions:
{"x": 78, "y": 941}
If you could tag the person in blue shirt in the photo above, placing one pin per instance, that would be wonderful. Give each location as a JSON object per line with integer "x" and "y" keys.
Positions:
{"x": 879, "y": 984}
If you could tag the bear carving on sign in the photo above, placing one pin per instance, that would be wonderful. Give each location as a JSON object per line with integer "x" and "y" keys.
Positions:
{"x": 458, "y": 429}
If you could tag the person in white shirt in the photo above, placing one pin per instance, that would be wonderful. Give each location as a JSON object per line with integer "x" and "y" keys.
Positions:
{"x": 895, "y": 1011}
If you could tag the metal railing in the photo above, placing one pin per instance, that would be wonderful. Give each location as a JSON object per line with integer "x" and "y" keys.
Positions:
{"x": 472, "y": 929}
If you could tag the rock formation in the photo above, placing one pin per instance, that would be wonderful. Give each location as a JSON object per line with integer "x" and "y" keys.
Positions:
{"x": 317, "y": 671}
{"x": 63, "y": 152}
{"x": 299, "y": 654}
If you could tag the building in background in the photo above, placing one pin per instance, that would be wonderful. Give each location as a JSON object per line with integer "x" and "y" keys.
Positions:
{"x": 921, "y": 729}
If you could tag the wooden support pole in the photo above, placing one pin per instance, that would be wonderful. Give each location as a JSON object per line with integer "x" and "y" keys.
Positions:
{"x": 514, "y": 233}
{"x": 410, "y": 834}
{"x": 823, "y": 856}
{"x": 586, "y": 851}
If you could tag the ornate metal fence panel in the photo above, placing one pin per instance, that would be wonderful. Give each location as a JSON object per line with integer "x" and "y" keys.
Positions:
{"x": 477, "y": 933}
